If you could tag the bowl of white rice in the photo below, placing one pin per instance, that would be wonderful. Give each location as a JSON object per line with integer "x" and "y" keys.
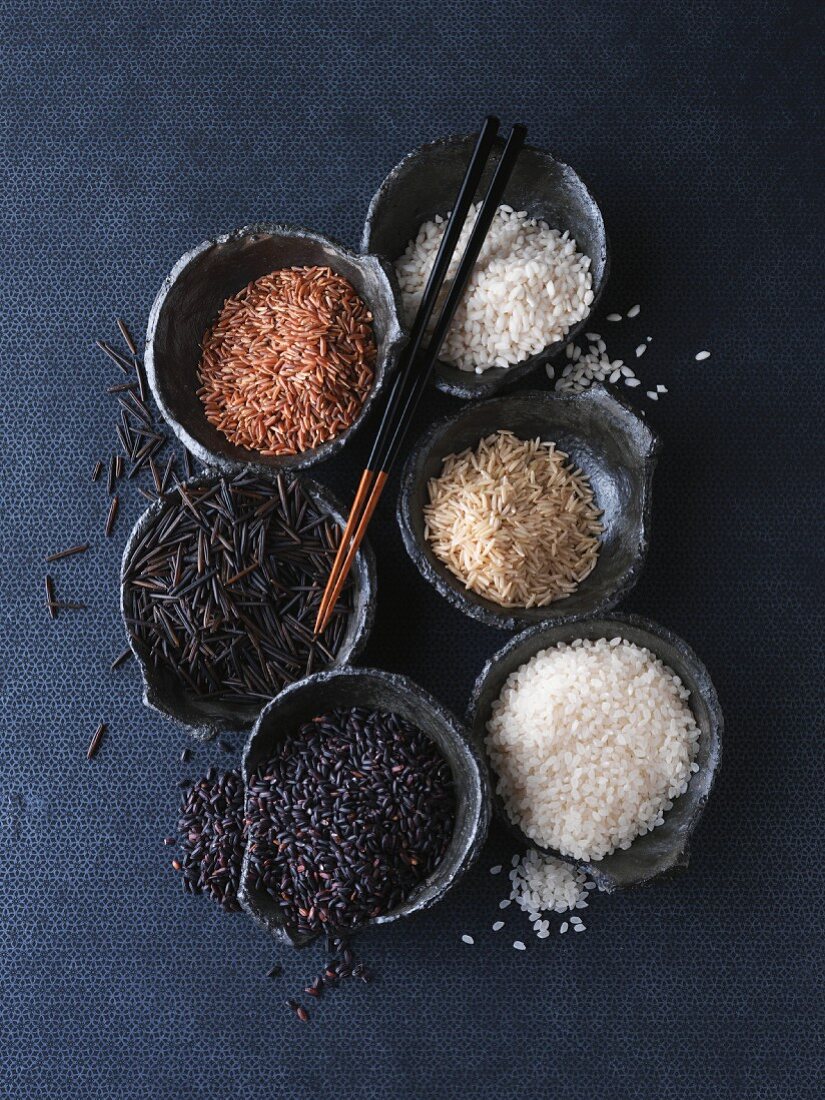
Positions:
{"x": 532, "y": 507}
{"x": 603, "y": 739}
{"x": 538, "y": 277}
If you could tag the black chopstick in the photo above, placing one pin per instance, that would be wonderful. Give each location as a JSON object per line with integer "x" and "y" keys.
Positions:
{"x": 452, "y": 233}
{"x": 489, "y": 207}
{"x": 415, "y": 374}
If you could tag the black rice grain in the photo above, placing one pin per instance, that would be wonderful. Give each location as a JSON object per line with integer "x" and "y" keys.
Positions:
{"x": 353, "y": 812}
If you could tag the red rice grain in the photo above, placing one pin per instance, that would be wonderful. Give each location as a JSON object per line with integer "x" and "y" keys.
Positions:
{"x": 289, "y": 361}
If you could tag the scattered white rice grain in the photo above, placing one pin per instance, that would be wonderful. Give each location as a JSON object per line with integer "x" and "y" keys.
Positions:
{"x": 634, "y": 311}
{"x": 592, "y": 885}
{"x": 580, "y": 928}
{"x": 496, "y": 870}
{"x": 653, "y": 395}
{"x": 519, "y": 946}
{"x": 661, "y": 389}
{"x": 504, "y": 903}
{"x": 648, "y": 338}
{"x": 594, "y": 336}
{"x": 499, "y": 924}
{"x": 564, "y": 927}
{"x": 627, "y": 372}
{"x": 614, "y": 316}
{"x": 640, "y": 350}
{"x": 615, "y": 376}
{"x": 467, "y": 939}
{"x": 633, "y": 382}
{"x": 575, "y": 920}
{"x": 543, "y": 934}
{"x": 700, "y": 355}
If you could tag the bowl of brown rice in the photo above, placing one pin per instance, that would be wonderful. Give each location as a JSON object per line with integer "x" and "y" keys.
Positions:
{"x": 532, "y": 507}
{"x": 603, "y": 738}
{"x": 267, "y": 347}
{"x": 540, "y": 273}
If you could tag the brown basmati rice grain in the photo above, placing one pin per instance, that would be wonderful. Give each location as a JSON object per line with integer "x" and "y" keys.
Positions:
{"x": 514, "y": 521}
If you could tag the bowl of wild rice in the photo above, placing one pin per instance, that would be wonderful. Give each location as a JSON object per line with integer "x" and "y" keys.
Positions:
{"x": 267, "y": 347}
{"x": 221, "y": 581}
{"x": 603, "y": 738}
{"x": 532, "y": 507}
{"x": 540, "y": 273}
{"x": 366, "y": 801}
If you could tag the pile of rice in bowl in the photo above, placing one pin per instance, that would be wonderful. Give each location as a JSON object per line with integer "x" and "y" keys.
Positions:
{"x": 591, "y": 742}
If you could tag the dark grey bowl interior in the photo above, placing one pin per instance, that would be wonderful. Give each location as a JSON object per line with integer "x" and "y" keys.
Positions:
{"x": 426, "y": 182}
{"x": 189, "y": 302}
{"x": 203, "y": 719}
{"x": 667, "y": 846}
{"x": 603, "y": 436}
{"x": 353, "y": 687}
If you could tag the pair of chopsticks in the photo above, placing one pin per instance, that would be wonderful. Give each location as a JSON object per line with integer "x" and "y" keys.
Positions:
{"x": 417, "y": 361}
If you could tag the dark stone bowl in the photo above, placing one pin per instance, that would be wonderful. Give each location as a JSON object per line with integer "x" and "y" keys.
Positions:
{"x": 163, "y": 693}
{"x": 666, "y": 848}
{"x": 372, "y": 688}
{"x": 426, "y": 182}
{"x": 189, "y": 302}
{"x": 603, "y": 436}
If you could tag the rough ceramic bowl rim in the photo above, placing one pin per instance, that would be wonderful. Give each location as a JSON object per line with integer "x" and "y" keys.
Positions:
{"x": 608, "y": 626}
{"x": 476, "y": 387}
{"x": 480, "y": 796}
{"x": 395, "y": 340}
{"x": 451, "y": 588}
{"x": 365, "y": 576}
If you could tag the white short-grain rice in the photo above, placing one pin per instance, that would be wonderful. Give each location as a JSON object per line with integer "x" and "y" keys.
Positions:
{"x": 591, "y": 742}
{"x": 528, "y": 288}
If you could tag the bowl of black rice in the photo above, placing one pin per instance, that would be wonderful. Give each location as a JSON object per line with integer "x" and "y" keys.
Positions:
{"x": 366, "y": 801}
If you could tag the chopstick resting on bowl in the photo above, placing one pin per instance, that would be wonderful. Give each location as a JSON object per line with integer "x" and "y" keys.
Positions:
{"x": 418, "y": 361}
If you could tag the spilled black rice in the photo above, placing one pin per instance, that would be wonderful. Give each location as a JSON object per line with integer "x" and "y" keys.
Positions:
{"x": 210, "y": 835}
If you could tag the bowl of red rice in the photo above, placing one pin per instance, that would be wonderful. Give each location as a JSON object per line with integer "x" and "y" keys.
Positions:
{"x": 267, "y": 347}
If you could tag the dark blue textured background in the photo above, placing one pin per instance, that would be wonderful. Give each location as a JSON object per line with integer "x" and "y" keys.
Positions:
{"x": 131, "y": 131}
